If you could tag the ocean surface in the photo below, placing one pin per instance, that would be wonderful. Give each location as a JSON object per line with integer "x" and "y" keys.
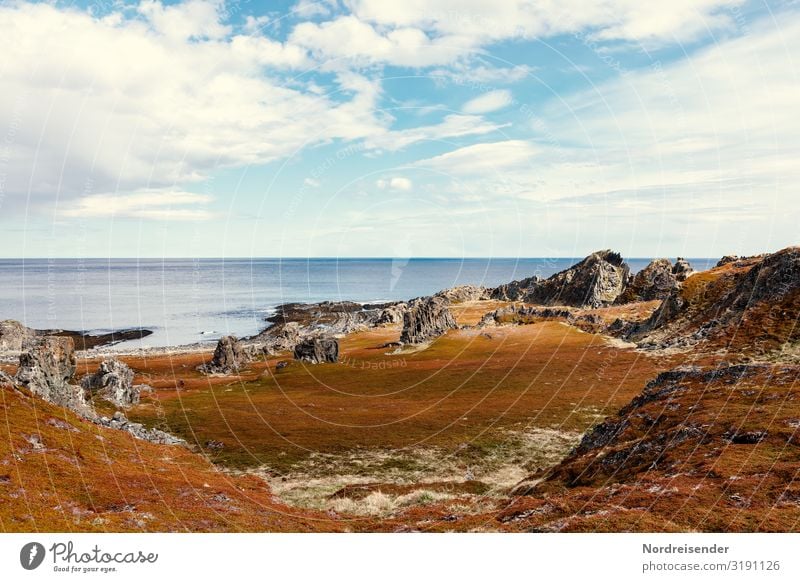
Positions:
{"x": 185, "y": 301}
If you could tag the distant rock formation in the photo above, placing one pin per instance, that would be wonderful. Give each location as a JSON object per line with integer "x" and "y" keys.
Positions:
{"x": 682, "y": 269}
{"x": 114, "y": 382}
{"x": 464, "y": 293}
{"x": 229, "y": 356}
{"x": 14, "y": 335}
{"x": 748, "y": 304}
{"x": 426, "y": 319}
{"x": 392, "y": 314}
{"x": 317, "y": 350}
{"x": 46, "y": 367}
{"x": 656, "y": 281}
{"x": 515, "y": 290}
{"x": 594, "y": 282}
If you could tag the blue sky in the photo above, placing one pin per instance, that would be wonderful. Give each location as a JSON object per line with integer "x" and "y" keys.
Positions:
{"x": 367, "y": 128}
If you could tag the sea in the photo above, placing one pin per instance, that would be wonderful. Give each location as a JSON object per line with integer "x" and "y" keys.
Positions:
{"x": 186, "y": 301}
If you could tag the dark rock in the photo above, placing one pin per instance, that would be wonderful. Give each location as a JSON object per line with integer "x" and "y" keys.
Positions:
{"x": 727, "y": 259}
{"x": 746, "y": 438}
{"x": 515, "y": 290}
{"x": 427, "y": 318}
{"x": 46, "y": 368}
{"x": 594, "y": 282}
{"x": 114, "y": 382}
{"x": 656, "y": 281}
{"x": 229, "y": 356}
{"x": 682, "y": 269}
{"x": 281, "y": 365}
{"x": 317, "y": 350}
{"x": 14, "y": 335}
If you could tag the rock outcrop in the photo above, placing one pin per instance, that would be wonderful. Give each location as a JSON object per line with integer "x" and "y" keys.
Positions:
{"x": 465, "y": 293}
{"x": 229, "y": 356}
{"x": 426, "y": 318}
{"x": 114, "y": 382}
{"x": 682, "y": 269}
{"x": 748, "y": 305}
{"x": 596, "y": 281}
{"x": 317, "y": 350}
{"x": 14, "y": 335}
{"x": 120, "y": 422}
{"x": 656, "y": 281}
{"x": 46, "y": 367}
{"x": 515, "y": 290}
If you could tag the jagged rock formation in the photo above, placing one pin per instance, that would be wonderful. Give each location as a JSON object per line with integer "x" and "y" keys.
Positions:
{"x": 46, "y": 368}
{"x": 750, "y": 305}
{"x": 14, "y": 335}
{"x": 594, "y": 282}
{"x": 464, "y": 293}
{"x": 317, "y": 350}
{"x": 656, "y": 281}
{"x": 682, "y": 269}
{"x": 426, "y": 318}
{"x": 229, "y": 356}
{"x": 114, "y": 382}
{"x": 515, "y": 290}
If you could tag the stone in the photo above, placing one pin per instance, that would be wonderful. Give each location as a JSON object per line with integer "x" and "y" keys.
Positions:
{"x": 14, "y": 335}
{"x": 597, "y": 281}
{"x": 113, "y": 381}
{"x": 229, "y": 356}
{"x": 656, "y": 281}
{"x": 46, "y": 367}
{"x": 682, "y": 269}
{"x": 427, "y": 318}
{"x": 515, "y": 290}
{"x": 464, "y": 293}
{"x": 317, "y": 350}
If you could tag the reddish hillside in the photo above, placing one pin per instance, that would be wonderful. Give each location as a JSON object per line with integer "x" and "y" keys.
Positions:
{"x": 715, "y": 450}
{"x": 61, "y": 473}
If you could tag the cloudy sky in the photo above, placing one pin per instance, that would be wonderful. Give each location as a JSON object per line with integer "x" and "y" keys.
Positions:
{"x": 417, "y": 128}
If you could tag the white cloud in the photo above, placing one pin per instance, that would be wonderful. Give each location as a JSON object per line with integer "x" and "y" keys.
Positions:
{"x": 680, "y": 21}
{"x": 454, "y": 125}
{"x": 483, "y": 158}
{"x": 150, "y": 205}
{"x": 312, "y": 182}
{"x": 351, "y": 39}
{"x": 396, "y": 183}
{"x": 198, "y": 19}
{"x": 491, "y": 101}
{"x": 122, "y": 104}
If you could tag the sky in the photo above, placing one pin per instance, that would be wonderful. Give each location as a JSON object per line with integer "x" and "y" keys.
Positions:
{"x": 423, "y": 128}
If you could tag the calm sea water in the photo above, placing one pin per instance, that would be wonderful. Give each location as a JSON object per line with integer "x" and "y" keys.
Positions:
{"x": 189, "y": 300}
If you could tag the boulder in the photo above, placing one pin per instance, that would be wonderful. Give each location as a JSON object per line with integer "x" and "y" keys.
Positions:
{"x": 426, "y": 319}
{"x": 656, "y": 281}
{"x": 46, "y": 367}
{"x": 317, "y": 350}
{"x": 682, "y": 269}
{"x": 596, "y": 281}
{"x": 14, "y": 335}
{"x": 392, "y": 314}
{"x": 114, "y": 382}
{"x": 229, "y": 356}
